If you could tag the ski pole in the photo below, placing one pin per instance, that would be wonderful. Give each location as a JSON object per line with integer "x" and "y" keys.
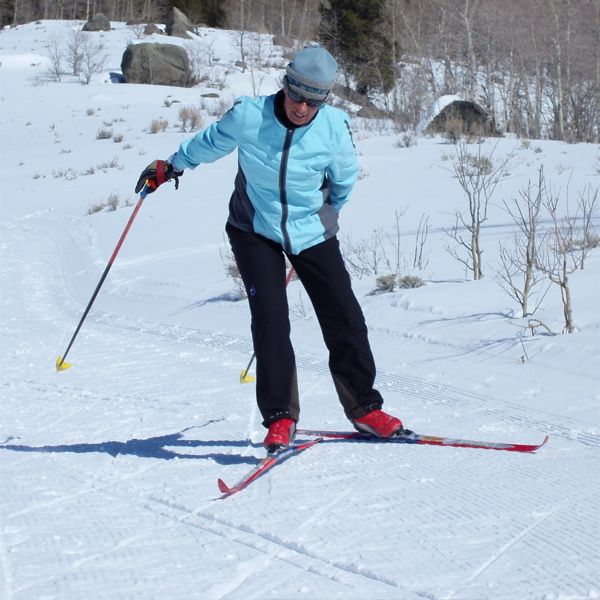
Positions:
{"x": 61, "y": 365}
{"x": 244, "y": 377}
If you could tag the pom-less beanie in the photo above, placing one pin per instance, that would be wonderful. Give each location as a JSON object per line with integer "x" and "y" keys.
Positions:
{"x": 312, "y": 73}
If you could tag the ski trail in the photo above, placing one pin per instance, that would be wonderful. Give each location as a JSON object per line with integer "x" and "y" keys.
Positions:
{"x": 510, "y": 544}
{"x": 7, "y": 581}
{"x": 243, "y": 572}
{"x": 121, "y": 545}
{"x": 292, "y": 553}
{"x": 94, "y": 486}
{"x": 306, "y": 524}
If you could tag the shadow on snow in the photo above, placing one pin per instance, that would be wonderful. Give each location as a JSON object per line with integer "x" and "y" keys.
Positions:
{"x": 154, "y": 447}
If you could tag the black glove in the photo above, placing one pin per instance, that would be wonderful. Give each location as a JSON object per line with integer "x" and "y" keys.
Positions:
{"x": 157, "y": 173}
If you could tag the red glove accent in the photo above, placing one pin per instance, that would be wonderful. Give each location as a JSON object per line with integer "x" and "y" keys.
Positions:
{"x": 155, "y": 174}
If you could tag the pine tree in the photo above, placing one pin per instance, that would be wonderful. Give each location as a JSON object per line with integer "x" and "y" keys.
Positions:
{"x": 354, "y": 32}
{"x": 209, "y": 12}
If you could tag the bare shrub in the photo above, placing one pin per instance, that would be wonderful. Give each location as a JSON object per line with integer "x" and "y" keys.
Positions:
{"x": 68, "y": 174}
{"x": 564, "y": 247}
{"x": 587, "y": 210}
{"x": 256, "y": 50}
{"x": 56, "y": 56}
{"x": 137, "y": 30}
{"x": 110, "y": 204}
{"x": 95, "y": 208}
{"x": 190, "y": 116}
{"x": 215, "y": 109}
{"x": 385, "y": 251}
{"x": 158, "y": 125}
{"x": 407, "y": 139}
{"x": 215, "y": 78}
{"x": 199, "y": 54}
{"x": 477, "y": 165}
{"x": 74, "y": 51}
{"x": 110, "y": 164}
{"x": 410, "y": 281}
{"x": 368, "y": 256}
{"x": 593, "y": 241}
{"x": 385, "y": 283}
{"x": 478, "y": 177}
{"x": 104, "y": 134}
{"x": 93, "y": 59}
{"x": 517, "y": 274}
{"x": 420, "y": 261}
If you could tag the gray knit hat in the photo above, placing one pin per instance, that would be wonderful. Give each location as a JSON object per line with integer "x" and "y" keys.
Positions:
{"x": 311, "y": 73}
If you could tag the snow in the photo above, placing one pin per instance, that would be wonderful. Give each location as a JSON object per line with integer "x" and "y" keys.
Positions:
{"x": 109, "y": 469}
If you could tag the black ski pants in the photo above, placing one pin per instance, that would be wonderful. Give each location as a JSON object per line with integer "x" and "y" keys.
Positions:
{"x": 321, "y": 270}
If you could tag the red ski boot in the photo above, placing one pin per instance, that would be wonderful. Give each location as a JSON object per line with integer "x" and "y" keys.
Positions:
{"x": 280, "y": 435}
{"x": 379, "y": 424}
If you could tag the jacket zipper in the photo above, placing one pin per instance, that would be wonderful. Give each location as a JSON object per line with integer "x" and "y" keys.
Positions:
{"x": 287, "y": 244}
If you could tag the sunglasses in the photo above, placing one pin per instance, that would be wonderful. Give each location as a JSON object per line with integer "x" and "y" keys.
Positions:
{"x": 296, "y": 97}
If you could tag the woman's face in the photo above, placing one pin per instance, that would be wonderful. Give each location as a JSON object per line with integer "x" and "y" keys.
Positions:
{"x": 299, "y": 113}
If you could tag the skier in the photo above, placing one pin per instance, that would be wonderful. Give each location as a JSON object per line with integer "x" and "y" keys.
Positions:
{"x": 297, "y": 166}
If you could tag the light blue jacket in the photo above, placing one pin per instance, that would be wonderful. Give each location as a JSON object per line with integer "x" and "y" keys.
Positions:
{"x": 291, "y": 183}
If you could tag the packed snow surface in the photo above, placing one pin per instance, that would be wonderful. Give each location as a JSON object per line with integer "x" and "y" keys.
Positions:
{"x": 109, "y": 469}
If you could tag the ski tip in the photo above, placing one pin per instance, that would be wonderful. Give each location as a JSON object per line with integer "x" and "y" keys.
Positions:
{"x": 224, "y": 488}
{"x": 533, "y": 447}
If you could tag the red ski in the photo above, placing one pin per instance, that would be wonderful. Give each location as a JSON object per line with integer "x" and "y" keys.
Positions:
{"x": 263, "y": 466}
{"x": 409, "y": 437}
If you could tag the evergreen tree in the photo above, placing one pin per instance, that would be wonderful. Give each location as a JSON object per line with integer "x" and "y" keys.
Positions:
{"x": 209, "y": 12}
{"x": 354, "y": 32}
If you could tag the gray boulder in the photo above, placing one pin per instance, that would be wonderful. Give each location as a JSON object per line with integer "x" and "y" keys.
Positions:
{"x": 157, "y": 64}
{"x": 98, "y": 22}
{"x": 178, "y": 24}
{"x": 462, "y": 117}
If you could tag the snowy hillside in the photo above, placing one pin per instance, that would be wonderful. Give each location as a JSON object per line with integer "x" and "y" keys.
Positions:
{"x": 108, "y": 470}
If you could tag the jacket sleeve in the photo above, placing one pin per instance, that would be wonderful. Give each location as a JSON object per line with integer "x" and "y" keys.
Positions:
{"x": 343, "y": 170}
{"x": 214, "y": 142}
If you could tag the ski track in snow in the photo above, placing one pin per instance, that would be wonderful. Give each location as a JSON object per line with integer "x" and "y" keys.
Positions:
{"x": 293, "y": 553}
{"x": 505, "y": 549}
{"x": 7, "y": 583}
